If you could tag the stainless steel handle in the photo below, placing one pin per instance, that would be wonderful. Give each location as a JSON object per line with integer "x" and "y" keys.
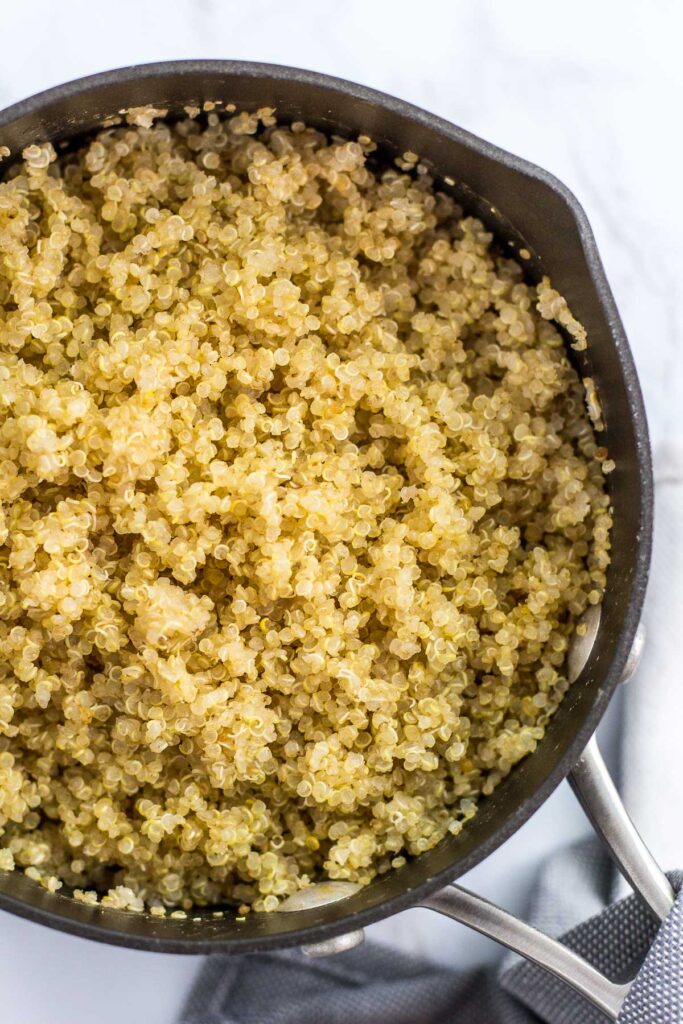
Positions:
{"x": 598, "y": 797}
{"x": 489, "y": 919}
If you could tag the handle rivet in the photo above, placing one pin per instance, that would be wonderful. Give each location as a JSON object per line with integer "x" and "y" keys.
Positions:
{"x": 319, "y": 895}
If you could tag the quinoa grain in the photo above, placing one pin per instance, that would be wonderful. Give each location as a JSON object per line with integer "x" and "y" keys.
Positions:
{"x": 299, "y": 506}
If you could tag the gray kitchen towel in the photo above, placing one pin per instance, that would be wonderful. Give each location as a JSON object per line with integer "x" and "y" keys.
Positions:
{"x": 622, "y": 940}
{"x": 374, "y": 985}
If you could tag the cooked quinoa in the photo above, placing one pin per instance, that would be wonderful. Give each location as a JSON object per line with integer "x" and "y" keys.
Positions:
{"x": 299, "y": 506}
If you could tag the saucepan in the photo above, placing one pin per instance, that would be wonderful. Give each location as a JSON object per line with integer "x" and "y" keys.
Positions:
{"x": 526, "y": 208}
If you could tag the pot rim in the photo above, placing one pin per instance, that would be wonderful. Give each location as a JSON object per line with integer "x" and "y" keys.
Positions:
{"x": 44, "y": 907}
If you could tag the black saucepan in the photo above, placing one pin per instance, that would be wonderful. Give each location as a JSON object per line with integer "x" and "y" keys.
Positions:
{"x": 525, "y": 206}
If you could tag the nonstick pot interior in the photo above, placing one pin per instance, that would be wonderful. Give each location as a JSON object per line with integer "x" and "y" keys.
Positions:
{"x": 526, "y": 207}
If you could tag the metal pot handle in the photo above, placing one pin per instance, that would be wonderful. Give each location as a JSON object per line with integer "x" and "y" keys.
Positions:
{"x": 598, "y": 796}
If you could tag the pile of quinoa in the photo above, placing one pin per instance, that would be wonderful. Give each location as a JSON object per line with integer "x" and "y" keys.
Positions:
{"x": 300, "y": 504}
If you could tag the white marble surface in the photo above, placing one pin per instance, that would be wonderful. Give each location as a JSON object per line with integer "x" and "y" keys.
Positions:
{"x": 589, "y": 90}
